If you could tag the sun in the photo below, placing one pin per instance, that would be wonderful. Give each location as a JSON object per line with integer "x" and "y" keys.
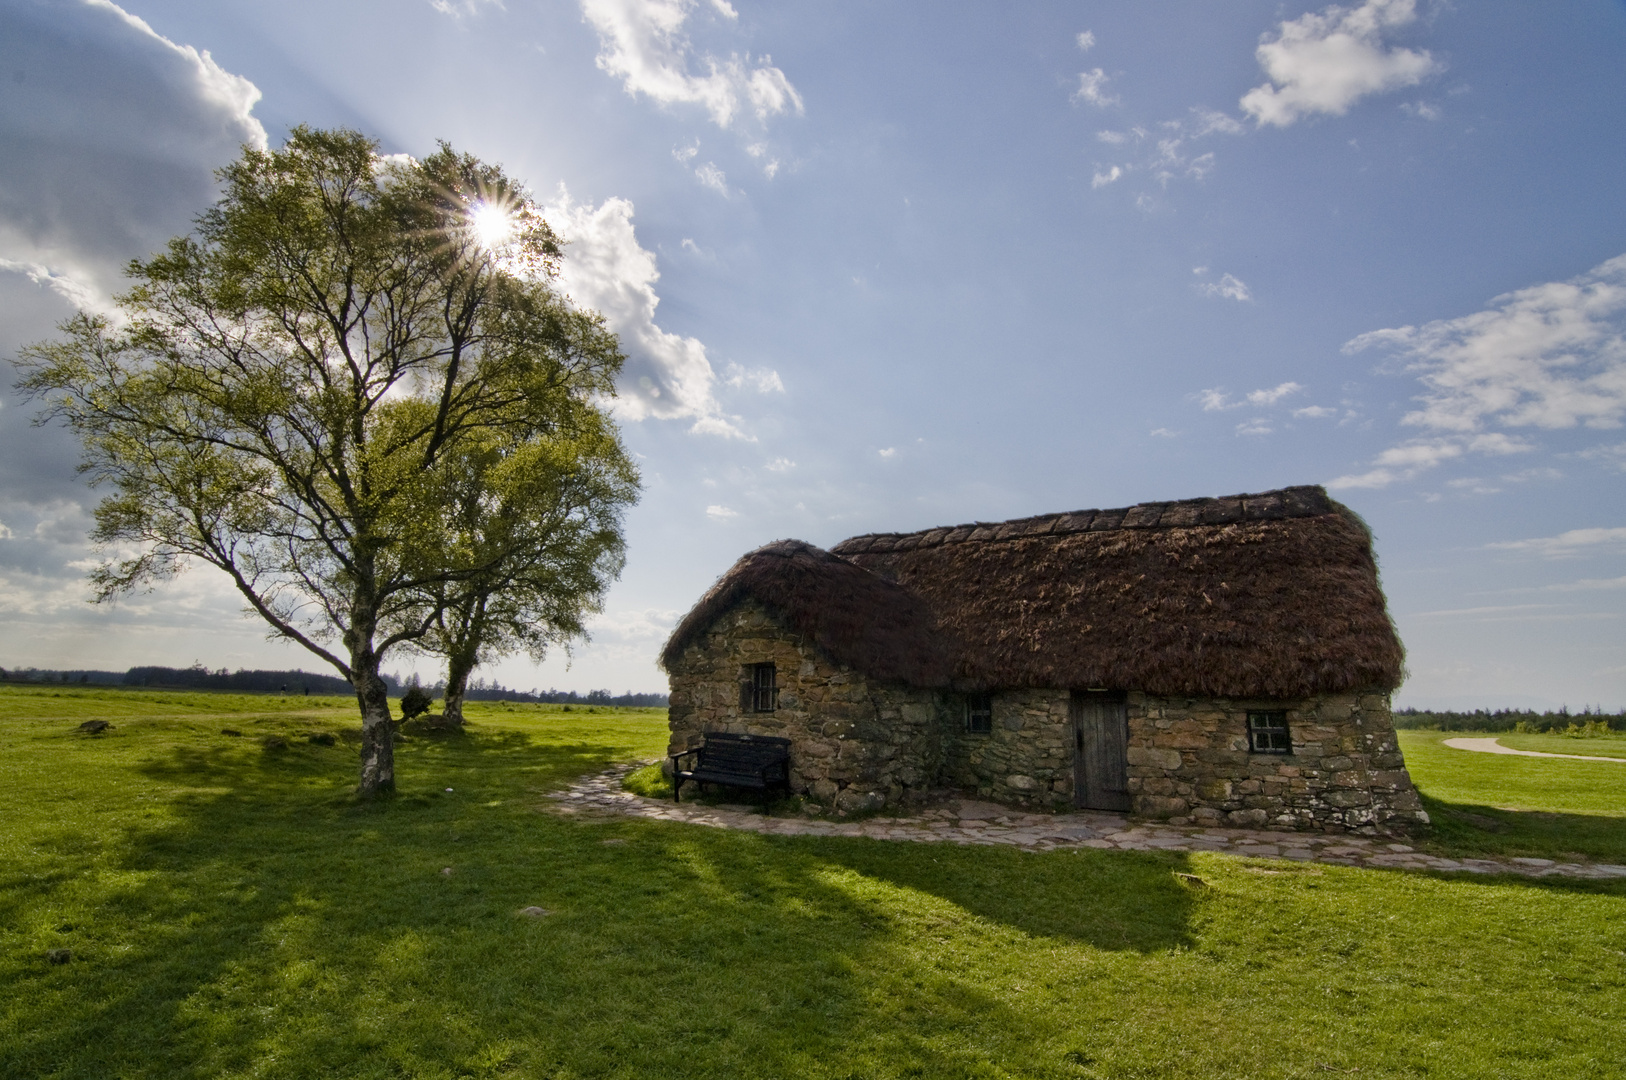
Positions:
{"x": 493, "y": 225}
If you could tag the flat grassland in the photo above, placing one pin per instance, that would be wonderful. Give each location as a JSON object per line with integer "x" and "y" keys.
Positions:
{"x": 232, "y": 911}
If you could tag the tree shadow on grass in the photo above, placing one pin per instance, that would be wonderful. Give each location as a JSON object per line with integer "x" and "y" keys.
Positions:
{"x": 1470, "y": 830}
{"x": 265, "y": 922}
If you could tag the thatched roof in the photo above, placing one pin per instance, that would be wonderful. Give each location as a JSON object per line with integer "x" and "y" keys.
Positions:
{"x": 1268, "y": 595}
{"x": 856, "y": 617}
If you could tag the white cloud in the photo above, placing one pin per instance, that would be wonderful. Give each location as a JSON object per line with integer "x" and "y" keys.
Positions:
{"x": 1566, "y": 544}
{"x": 1086, "y": 41}
{"x": 667, "y": 377}
{"x": 1257, "y": 426}
{"x": 1113, "y": 138}
{"x": 1613, "y": 456}
{"x": 1420, "y": 109}
{"x": 5, "y": 532}
{"x": 780, "y": 465}
{"x": 1092, "y": 88}
{"x": 458, "y": 9}
{"x": 1324, "y": 63}
{"x": 1274, "y": 394}
{"x": 1229, "y": 286}
{"x": 1163, "y": 433}
{"x": 762, "y": 380}
{"x": 1102, "y": 179}
{"x": 1549, "y": 356}
{"x": 685, "y": 154}
{"x": 1314, "y": 412}
{"x": 643, "y": 43}
{"x": 721, "y": 513}
{"x": 112, "y": 133}
{"x": 711, "y": 176}
{"x": 890, "y": 451}
{"x": 770, "y": 164}
{"x": 1589, "y": 585}
{"x": 1417, "y": 456}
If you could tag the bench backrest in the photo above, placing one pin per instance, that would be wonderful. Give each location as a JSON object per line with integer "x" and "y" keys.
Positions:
{"x": 724, "y": 749}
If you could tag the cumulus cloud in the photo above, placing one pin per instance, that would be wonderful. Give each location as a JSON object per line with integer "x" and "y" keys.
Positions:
{"x": 1086, "y": 41}
{"x": 1325, "y": 63}
{"x": 1314, "y": 412}
{"x": 644, "y": 44}
{"x": 667, "y": 376}
{"x": 112, "y": 135}
{"x": 1092, "y": 88}
{"x": 459, "y": 9}
{"x": 1412, "y": 458}
{"x": 1550, "y": 356}
{"x": 1102, "y": 179}
{"x": 1566, "y": 544}
{"x": 1228, "y": 286}
{"x": 762, "y": 380}
{"x": 1218, "y": 400}
{"x": 780, "y": 465}
{"x": 711, "y": 176}
{"x": 721, "y": 513}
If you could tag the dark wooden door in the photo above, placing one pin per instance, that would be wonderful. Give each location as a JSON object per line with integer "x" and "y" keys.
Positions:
{"x": 1100, "y": 751}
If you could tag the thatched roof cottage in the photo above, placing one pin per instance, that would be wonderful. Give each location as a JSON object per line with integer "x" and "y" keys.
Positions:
{"x": 1224, "y": 661}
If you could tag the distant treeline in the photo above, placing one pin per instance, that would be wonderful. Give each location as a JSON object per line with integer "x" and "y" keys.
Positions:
{"x": 1505, "y": 720}
{"x": 480, "y": 690}
{"x": 198, "y": 677}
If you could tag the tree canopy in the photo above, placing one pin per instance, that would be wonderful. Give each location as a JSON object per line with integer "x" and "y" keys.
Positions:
{"x": 313, "y": 390}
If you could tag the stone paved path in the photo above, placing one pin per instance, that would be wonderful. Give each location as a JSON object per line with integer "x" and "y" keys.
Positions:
{"x": 967, "y": 821}
{"x": 1491, "y": 746}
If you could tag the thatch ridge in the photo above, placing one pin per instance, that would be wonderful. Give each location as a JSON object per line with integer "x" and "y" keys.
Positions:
{"x": 855, "y": 616}
{"x": 1268, "y": 595}
{"x": 1309, "y": 500}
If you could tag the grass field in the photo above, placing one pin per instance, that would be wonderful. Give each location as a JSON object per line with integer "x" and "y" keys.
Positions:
{"x": 233, "y": 912}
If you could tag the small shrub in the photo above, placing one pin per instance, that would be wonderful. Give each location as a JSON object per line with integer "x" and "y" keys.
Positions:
{"x": 415, "y": 702}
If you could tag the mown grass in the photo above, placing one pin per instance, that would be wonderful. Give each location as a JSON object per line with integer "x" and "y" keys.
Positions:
{"x": 1613, "y": 745}
{"x": 234, "y": 912}
{"x": 1500, "y": 804}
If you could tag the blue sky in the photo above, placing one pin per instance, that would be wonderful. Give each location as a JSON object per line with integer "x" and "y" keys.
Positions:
{"x": 884, "y": 266}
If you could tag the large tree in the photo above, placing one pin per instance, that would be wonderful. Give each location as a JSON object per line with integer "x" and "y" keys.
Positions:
{"x": 290, "y": 390}
{"x": 534, "y": 526}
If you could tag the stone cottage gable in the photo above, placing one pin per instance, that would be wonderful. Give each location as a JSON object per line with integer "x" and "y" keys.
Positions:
{"x": 856, "y": 742}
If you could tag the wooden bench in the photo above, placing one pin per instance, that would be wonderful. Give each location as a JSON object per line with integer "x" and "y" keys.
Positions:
{"x": 753, "y": 761}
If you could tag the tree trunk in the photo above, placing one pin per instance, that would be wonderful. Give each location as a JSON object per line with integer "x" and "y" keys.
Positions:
{"x": 377, "y": 736}
{"x": 458, "y": 669}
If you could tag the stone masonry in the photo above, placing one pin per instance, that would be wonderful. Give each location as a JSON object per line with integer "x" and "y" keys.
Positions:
{"x": 860, "y": 744}
{"x": 1189, "y": 764}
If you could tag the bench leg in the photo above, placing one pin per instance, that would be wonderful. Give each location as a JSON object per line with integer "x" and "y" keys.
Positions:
{"x": 677, "y": 785}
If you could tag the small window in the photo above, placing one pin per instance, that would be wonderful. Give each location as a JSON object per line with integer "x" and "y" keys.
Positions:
{"x": 979, "y": 713}
{"x": 1267, "y": 733}
{"x": 764, "y": 688}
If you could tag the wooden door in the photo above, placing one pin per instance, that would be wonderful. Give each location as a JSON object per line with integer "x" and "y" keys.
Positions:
{"x": 1100, "y": 751}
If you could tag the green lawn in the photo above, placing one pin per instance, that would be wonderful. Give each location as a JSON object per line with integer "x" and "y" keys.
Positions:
{"x": 1506, "y": 805}
{"x": 233, "y": 912}
{"x": 1613, "y": 745}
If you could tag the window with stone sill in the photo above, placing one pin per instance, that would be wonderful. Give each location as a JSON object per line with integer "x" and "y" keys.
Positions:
{"x": 979, "y": 713}
{"x": 759, "y": 690}
{"x": 1267, "y": 732}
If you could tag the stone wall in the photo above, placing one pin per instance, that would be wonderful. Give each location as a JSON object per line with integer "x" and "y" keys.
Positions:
{"x": 1189, "y": 763}
{"x": 854, "y": 744}
{"x": 857, "y": 744}
{"x": 1026, "y": 760}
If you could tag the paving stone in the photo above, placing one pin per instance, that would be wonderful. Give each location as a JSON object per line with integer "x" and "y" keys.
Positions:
{"x": 972, "y": 821}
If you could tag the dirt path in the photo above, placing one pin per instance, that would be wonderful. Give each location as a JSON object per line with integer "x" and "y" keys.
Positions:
{"x": 1491, "y": 746}
{"x": 967, "y": 821}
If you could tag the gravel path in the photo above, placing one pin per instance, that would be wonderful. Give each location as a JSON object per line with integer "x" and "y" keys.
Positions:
{"x": 967, "y": 821}
{"x": 1491, "y": 746}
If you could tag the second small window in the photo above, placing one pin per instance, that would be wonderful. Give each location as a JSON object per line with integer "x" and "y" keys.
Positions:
{"x": 1267, "y": 733}
{"x": 979, "y": 713}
